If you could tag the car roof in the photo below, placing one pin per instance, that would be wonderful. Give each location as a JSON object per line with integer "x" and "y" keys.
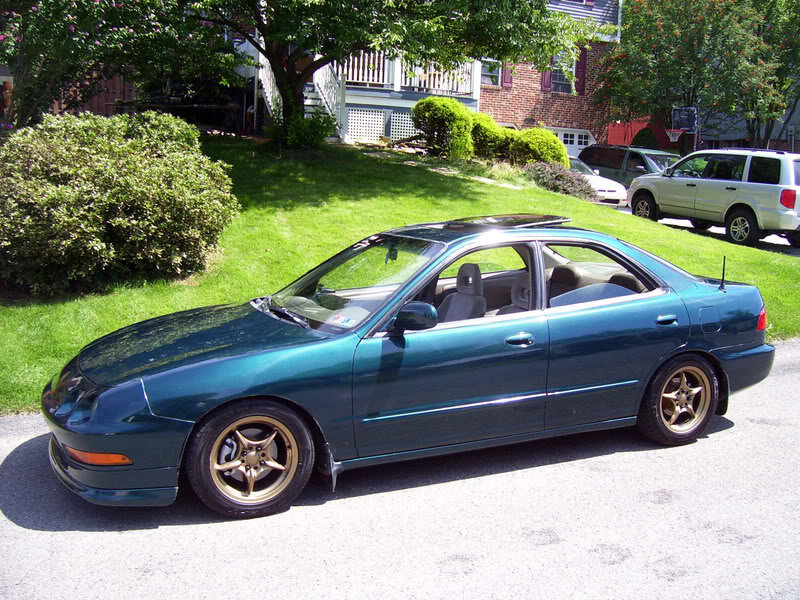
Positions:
{"x": 500, "y": 227}
{"x": 642, "y": 148}
{"x": 750, "y": 152}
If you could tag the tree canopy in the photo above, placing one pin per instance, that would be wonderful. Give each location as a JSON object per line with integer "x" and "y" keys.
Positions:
{"x": 443, "y": 32}
{"x": 733, "y": 59}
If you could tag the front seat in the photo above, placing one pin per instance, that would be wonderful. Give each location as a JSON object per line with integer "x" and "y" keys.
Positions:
{"x": 520, "y": 294}
{"x": 467, "y": 302}
{"x": 563, "y": 279}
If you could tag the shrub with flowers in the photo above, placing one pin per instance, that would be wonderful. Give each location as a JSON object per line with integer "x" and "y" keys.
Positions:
{"x": 87, "y": 199}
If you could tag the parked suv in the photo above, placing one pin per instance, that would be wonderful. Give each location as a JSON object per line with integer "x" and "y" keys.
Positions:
{"x": 624, "y": 163}
{"x": 753, "y": 192}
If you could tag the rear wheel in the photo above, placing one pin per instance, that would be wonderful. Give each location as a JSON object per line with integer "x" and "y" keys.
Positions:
{"x": 680, "y": 401}
{"x": 644, "y": 205}
{"x": 794, "y": 240}
{"x": 741, "y": 227}
{"x": 250, "y": 459}
{"x": 701, "y": 225}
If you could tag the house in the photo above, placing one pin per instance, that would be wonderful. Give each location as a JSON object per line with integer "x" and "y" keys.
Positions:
{"x": 372, "y": 95}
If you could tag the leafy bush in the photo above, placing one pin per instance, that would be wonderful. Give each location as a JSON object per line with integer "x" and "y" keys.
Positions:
{"x": 491, "y": 140}
{"x": 310, "y": 132}
{"x": 446, "y": 125}
{"x": 557, "y": 178}
{"x": 89, "y": 198}
{"x": 538, "y": 144}
{"x": 645, "y": 138}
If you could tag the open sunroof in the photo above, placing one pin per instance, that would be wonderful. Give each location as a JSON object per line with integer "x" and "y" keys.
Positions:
{"x": 506, "y": 221}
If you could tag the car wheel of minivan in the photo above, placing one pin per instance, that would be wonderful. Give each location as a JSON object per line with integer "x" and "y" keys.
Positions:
{"x": 741, "y": 227}
{"x": 644, "y": 205}
{"x": 794, "y": 240}
{"x": 701, "y": 225}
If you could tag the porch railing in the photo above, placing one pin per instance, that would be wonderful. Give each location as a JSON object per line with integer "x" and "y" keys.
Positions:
{"x": 368, "y": 69}
{"x": 433, "y": 80}
{"x": 331, "y": 91}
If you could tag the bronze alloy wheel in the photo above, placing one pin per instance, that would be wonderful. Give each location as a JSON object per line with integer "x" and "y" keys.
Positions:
{"x": 685, "y": 398}
{"x": 253, "y": 460}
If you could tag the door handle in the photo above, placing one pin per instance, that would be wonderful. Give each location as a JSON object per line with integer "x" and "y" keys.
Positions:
{"x": 691, "y": 185}
{"x": 731, "y": 188}
{"x": 666, "y": 319}
{"x": 523, "y": 339}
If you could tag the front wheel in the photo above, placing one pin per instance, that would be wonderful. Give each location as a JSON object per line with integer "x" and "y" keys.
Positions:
{"x": 680, "y": 401}
{"x": 741, "y": 227}
{"x": 250, "y": 459}
{"x": 644, "y": 205}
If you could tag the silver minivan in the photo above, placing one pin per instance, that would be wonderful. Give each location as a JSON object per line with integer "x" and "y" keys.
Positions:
{"x": 752, "y": 192}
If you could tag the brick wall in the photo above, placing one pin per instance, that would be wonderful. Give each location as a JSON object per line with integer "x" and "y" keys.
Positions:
{"x": 524, "y": 104}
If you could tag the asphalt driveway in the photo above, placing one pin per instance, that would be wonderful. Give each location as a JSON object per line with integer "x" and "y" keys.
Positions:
{"x": 602, "y": 515}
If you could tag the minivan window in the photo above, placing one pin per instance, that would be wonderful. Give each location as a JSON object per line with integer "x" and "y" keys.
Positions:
{"x": 661, "y": 161}
{"x": 764, "y": 170}
{"x": 611, "y": 158}
{"x": 797, "y": 172}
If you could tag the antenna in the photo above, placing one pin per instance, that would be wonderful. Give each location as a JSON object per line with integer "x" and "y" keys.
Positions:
{"x": 722, "y": 281}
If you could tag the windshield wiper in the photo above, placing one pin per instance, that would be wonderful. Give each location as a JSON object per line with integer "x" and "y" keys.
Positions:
{"x": 286, "y": 313}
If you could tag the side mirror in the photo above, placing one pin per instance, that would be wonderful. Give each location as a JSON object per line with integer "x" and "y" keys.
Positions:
{"x": 415, "y": 316}
{"x": 641, "y": 169}
{"x": 667, "y": 172}
{"x": 596, "y": 171}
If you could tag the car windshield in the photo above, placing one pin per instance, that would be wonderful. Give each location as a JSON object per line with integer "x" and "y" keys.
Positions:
{"x": 345, "y": 290}
{"x": 576, "y": 164}
{"x": 661, "y": 161}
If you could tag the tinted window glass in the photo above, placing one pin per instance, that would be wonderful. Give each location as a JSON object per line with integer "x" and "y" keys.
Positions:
{"x": 610, "y": 158}
{"x": 725, "y": 167}
{"x": 589, "y": 156}
{"x": 764, "y": 170}
{"x": 797, "y": 172}
{"x": 661, "y": 161}
{"x": 635, "y": 160}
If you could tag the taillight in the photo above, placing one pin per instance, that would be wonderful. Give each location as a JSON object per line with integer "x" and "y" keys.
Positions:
{"x": 788, "y": 197}
{"x": 762, "y": 320}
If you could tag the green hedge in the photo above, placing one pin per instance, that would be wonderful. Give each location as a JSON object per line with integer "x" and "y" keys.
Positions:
{"x": 645, "y": 138}
{"x": 538, "y": 144}
{"x": 446, "y": 125}
{"x": 491, "y": 140}
{"x": 86, "y": 199}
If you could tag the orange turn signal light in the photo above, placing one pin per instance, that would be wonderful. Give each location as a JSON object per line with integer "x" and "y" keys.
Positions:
{"x": 103, "y": 459}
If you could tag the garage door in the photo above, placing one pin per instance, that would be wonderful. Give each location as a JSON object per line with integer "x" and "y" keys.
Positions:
{"x": 574, "y": 139}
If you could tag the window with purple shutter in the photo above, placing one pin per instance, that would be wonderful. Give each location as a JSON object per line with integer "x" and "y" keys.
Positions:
{"x": 506, "y": 78}
{"x": 580, "y": 73}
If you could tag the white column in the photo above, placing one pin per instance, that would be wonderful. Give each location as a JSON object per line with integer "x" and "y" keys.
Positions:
{"x": 476, "y": 81}
{"x": 397, "y": 73}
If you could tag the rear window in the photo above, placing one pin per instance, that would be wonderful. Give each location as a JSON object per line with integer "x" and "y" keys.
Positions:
{"x": 764, "y": 170}
{"x": 797, "y": 172}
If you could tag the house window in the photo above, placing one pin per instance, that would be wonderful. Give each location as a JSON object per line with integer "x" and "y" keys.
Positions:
{"x": 583, "y": 139}
{"x": 569, "y": 139}
{"x": 490, "y": 72}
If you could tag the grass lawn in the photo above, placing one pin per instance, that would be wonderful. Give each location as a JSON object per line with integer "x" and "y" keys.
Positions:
{"x": 303, "y": 207}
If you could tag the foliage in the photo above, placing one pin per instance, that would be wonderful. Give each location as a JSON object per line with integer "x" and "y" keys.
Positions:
{"x": 670, "y": 56}
{"x": 558, "y": 178}
{"x": 436, "y": 33}
{"x": 312, "y": 131}
{"x": 65, "y": 49}
{"x": 491, "y": 140}
{"x": 299, "y": 209}
{"x": 645, "y": 138}
{"x": 538, "y": 144}
{"x": 85, "y": 199}
{"x": 446, "y": 125}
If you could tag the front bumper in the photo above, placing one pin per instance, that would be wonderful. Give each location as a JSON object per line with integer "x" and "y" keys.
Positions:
{"x": 64, "y": 468}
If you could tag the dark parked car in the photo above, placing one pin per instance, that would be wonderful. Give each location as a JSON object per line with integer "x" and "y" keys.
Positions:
{"x": 419, "y": 341}
{"x": 624, "y": 163}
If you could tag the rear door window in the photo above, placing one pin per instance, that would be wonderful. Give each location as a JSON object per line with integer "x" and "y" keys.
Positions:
{"x": 797, "y": 172}
{"x": 764, "y": 170}
{"x": 725, "y": 166}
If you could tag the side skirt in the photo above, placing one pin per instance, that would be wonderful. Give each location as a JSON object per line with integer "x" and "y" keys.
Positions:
{"x": 368, "y": 461}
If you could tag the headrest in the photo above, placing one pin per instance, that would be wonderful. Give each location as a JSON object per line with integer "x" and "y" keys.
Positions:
{"x": 469, "y": 280}
{"x": 520, "y": 291}
{"x": 626, "y": 280}
{"x": 564, "y": 274}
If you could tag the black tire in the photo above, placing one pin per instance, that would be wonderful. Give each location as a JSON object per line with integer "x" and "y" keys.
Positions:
{"x": 701, "y": 225}
{"x": 644, "y": 205}
{"x": 684, "y": 419}
{"x": 742, "y": 228}
{"x": 267, "y": 479}
{"x": 794, "y": 240}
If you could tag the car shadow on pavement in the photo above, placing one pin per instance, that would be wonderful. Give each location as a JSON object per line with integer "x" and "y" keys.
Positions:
{"x": 479, "y": 463}
{"x": 760, "y": 245}
{"x": 32, "y": 497}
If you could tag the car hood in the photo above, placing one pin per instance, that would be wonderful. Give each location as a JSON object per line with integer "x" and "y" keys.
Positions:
{"x": 184, "y": 338}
